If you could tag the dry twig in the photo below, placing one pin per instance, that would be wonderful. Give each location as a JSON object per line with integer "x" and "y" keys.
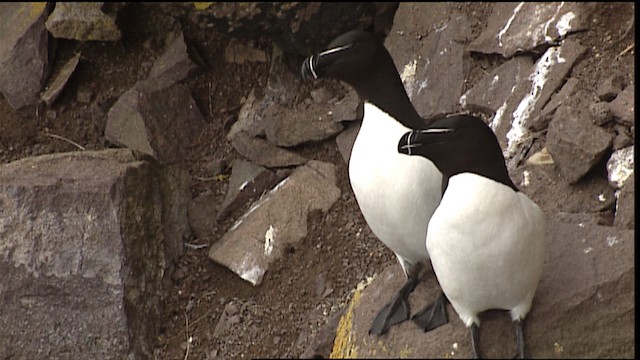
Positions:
{"x": 67, "y": 140}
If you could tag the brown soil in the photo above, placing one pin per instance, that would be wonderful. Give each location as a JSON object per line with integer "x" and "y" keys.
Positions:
{"x": 314, "y": 279}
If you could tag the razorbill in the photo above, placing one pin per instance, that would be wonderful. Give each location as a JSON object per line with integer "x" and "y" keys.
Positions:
{"x": 486, "y": 238}
{"x": 397, "y": 194}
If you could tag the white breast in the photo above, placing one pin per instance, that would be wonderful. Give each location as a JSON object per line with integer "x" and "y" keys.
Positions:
{"x": 397, "y": 193}
{"x": 487, "y": 247}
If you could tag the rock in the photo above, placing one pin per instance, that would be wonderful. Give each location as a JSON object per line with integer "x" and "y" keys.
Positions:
{"x": 83, "y": 22}
{"x": 84, "y": 94}
{"x": 156, "y": 119}
{"x": 201, "y": 213}
{"x": 620, "y": 166}
{"x": 611, "y": 87}
{"x": 420, "y": 60}
{"x": 524, "y": 27}
{"x": 548, "y": 187}
{"x": 622, "y": 107}
{"x": 298, "y": 28}
{"x": 82, "y": 256}
{"x": 568, "y": 89}
{"x": 57, "y": 85}
{"x": 174, "y": 63}
{"x": 276, "y": 221}
{"x": 488, "y": 95}
{"x": 303, "y": 124}
{"x": 322, "y": 343}
{"x": 249, "y": 118}
{"x": 514, "y": 117}
{"x": 247, "y": 182}
{"x": 345, "y": 140}
{"x": 574, "y": 142}
{"x": 625, "y": 206}
{"x": 600, "y": 112}
{"x": 588, "y": 279}
{"x": 239, "y": 53}
{"x": 263, "y": 152}
{"x": 623, "y": 137}
{"x": 24, "y": 58}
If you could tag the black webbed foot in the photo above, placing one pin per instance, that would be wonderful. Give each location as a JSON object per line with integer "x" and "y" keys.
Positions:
{"x": 396, "y": 311}
{"x": 433, "y": 315}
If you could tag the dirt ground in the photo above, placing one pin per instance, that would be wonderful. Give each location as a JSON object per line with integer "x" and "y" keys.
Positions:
{"x": 313, "y": 280}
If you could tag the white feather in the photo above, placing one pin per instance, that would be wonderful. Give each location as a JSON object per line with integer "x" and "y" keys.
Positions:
{"x": 397, "y": 193}
{"x": 487, "y": 247}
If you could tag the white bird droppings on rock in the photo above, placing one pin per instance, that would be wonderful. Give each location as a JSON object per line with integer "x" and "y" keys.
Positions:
{"x": 620, "y": 166}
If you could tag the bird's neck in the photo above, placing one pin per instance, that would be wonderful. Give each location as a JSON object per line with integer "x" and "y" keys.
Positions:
{"x": 387, "y": 92}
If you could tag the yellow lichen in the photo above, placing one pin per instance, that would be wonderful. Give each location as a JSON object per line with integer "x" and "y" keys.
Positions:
{"x": 343, "y": 345}
{"x": 202, "y": 5}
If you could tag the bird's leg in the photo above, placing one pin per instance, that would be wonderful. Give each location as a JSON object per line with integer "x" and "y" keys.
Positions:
{"x": 432, "y": 315}
{"x": 397, "y": 310}
{"x": 475, "y": 344}
{"x": 519, "y": 340}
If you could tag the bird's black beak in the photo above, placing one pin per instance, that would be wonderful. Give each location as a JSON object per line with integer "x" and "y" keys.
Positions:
{"x": 308, "y": 68}
{"x": 407, "y": 142}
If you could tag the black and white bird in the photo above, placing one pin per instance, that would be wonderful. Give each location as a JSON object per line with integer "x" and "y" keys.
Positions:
{"x": 486, "y": 238}
{"x": 397, "y": 194}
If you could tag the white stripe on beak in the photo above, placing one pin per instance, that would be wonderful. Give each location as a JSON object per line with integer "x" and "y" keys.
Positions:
{"x": 335, "y": 49}
{"x": 313, "y": 72}
{"x": 435, "y": 131}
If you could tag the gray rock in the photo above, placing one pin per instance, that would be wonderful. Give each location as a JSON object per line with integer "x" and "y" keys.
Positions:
{"x": 625, "y": 206}
{"x": 83, "y": 22}
{"x": 420, "y": 60}
{"x": 623, "y": 137}
{"x": 513, "y": 119}
{"x": 601, "y": 114}
{"x": 570, "y": 87}
{"x": 201, "y": 212}
{"x": 249, "y": 118}
{"x": 527, "y": 26}
{"x": 554, "y": 194}
{"x": 24, "y": 53}
{"x": 156, "y": 119}
{"x": 247, "y": 182}
{"x": 588, "y": 279}
{"x": 82, "y": 255}
{"x": 574, "y": 142}
{"x": 620, "y": 166}
{"x": 174, "y": 63}
{"x": 288, "y": 127}
{"x": 493, "y": 90}
{"x": 611, "y": 87}
{"x": 623, "y": 108}
{"x": 264, "y": 152}
{"x": 276, "y": 221}
{"x": 57, "y": 85}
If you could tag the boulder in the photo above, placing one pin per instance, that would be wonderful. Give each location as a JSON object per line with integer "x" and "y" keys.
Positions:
{"x": 574, "y": 142}
{"x": 584, "y": 307}
{"x": 82, "y": 22}
{"x": 86, "y": 238}
{"x": 625, "y": 205}
{"x": 264, "y": 152}
{"x": 156, "y": 119}
{"x": 277, "y": 220}
{"x": 24, "y": 53}
{"x": 514, "y": 118}
{"x": 52, "y": 91}
{"x": 528, "y": 26}
{"x": 420, "y": 59}
{"x": 623, "y": 108}
{"x": 488, "y": 95}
